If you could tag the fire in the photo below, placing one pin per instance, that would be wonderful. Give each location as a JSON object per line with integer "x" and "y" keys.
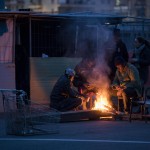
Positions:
{"x": 101, "y": 102}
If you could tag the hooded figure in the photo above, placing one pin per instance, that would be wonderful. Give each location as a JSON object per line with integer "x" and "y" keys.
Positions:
{"x": 63, "y": 97}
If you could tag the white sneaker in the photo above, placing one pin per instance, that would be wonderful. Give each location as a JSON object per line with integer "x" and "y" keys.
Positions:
{"x": 120, "y": 113}
{"x": 126, "y": 113}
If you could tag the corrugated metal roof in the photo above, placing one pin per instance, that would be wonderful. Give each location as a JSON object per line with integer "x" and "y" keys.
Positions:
{"x": 79, "y": 16}
{"x": 76, "y": 16}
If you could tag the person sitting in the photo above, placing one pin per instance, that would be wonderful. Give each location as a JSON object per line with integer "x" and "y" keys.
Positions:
{"x": 63, "y": 97}
{"x": 126, "y": 83}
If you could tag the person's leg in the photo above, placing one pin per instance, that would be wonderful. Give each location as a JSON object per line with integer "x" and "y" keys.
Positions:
{"x": 113, "y": 100}
{"x": 83, "y": 90}
{"x": 126, "y": 94}
{"x": 70, "y": 104}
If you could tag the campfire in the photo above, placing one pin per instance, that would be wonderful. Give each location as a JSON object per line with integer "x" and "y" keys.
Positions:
{"x": 102, "y": 102}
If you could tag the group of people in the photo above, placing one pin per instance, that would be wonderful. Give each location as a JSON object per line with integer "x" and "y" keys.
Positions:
{"x": 132, "y": 75}
{"x": 128, "y": 76}
{"x": 64, "y": 97}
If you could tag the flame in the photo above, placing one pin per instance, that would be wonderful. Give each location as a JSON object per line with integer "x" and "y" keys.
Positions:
{"x": 102, "y": 103}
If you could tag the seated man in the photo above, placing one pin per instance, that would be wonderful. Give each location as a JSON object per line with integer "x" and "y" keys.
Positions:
{"x": 126, "y": 82}
{"x": 63, "y": 97}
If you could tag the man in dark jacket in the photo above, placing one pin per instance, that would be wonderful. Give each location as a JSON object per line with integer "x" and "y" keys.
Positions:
{"x": 120, "y": 50}
{"x": 63, "y": 97}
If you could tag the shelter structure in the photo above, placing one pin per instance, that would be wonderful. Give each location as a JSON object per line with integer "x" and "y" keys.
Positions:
{"x": 35, "y": 48}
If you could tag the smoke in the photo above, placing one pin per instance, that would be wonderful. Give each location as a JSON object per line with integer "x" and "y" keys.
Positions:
{"x": 105, "y": 47}
{"x": 93, "y": 41}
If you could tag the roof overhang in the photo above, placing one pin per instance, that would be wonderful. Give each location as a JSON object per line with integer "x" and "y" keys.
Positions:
{"x": 75, "y": 17}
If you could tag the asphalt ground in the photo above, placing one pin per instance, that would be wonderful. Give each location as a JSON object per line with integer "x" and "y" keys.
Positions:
{"x": 88, "y": 135}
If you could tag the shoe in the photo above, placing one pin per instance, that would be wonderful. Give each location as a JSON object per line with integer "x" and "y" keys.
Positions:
{"x": 120, "y": 113}
{"x": 126, "y": 112}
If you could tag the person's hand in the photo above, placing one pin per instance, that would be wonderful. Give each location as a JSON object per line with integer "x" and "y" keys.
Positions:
{"x": 119, "y": 92}
{"x": 81, "y": 97}
{"x": 115, "y": 87}
{"x": 118, "y": 88}
{"x": 123, "y": 87}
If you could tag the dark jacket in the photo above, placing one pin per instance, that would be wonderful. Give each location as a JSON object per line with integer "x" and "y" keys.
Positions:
{"x": 81, "y": 76}
{"x": 84, "y": 71}
{"x": 62, "y": 90}
{"x": 121, "y": 50}
{"x": 143, "y": 62}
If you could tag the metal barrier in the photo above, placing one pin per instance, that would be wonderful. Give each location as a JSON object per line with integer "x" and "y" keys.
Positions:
{"x": 24, "y": 117}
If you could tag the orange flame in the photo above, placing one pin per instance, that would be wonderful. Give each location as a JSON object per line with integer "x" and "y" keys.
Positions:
{"x": 101, "y": 102}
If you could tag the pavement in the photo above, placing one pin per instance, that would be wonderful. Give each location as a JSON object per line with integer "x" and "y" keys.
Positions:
{"x": 83, "y": 135}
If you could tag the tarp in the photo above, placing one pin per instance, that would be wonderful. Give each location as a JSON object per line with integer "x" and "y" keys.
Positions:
{"x": 6, "y": 41}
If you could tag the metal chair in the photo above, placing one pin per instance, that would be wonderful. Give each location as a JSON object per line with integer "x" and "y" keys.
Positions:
{"x": 133, "y": 101}
{"x": 146, "y": 114}
{"x": 142, "y": 101}
{"x": 139, "y": 101}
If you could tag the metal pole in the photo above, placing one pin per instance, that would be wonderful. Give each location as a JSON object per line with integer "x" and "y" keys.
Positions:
{"x": 2, "y": 5}
{"x": 143, "y": 26}
{"x": 97, "y": 37}
{"x": 14, "y": 39}
{"x": 30, "y": 38}
{"x": 76, "y": 38}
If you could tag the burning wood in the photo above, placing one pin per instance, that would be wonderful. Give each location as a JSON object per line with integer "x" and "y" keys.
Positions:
{"x": 102, "y": 103}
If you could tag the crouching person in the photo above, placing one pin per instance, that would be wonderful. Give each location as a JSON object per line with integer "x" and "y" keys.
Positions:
{"x": 126, "y": 82}
{"x": 63, "y": 97}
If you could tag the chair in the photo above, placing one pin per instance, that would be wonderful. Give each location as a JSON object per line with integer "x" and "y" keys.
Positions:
{"x": 146, "y": 115}
{"x": 142, "y": 101}
{"x": 25, "y": 117}
{"x": 133, "y": 101}
{"x": 138, "y": 101}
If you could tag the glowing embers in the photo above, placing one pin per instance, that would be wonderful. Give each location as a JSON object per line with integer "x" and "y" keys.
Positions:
{"x": 102, "y": 102}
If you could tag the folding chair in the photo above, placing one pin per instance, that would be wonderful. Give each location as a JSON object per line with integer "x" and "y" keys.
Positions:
{"x": 138, "y": 101}
{"x": 133, "y": 101}
{"x": 142, "y": 101}
{"x": 146, "y": 114}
